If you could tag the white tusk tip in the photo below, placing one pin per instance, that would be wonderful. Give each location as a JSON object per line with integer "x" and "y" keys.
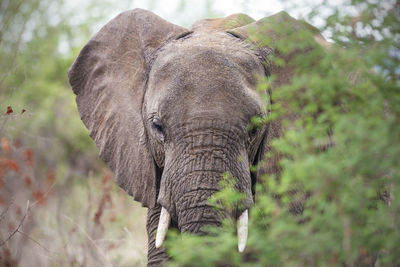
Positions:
{"x": 241, "y": 247}
{"x": 162, "y": 228}
{"x": 242, "y": 229}
{"x": 158, "y": 244}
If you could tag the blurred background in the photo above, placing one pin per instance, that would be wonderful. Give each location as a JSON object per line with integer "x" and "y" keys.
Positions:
{"x": 58, "y": 202}
{"x": 59, "y": 205}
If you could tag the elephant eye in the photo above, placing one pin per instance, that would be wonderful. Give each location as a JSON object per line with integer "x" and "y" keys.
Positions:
{"x": 252, "y": 132}
{"x": 158, "y": 128}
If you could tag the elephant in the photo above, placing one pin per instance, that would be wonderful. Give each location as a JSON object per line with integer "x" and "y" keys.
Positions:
{"x": 169, "y": 110}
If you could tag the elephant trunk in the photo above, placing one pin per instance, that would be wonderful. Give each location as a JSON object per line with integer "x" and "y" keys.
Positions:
{"x": 194, "y": 219}
{"x": 192, "y": 172}
{"x": 196, "y": 224}
{"x": 194, "y": 212}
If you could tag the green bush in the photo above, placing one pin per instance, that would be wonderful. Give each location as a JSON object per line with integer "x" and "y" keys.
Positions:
{"x": 341, "y": 152}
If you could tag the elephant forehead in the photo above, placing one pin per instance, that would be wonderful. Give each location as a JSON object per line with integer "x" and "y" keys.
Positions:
{"x": 215, "y": 73}
{"x": 217, "y": 58}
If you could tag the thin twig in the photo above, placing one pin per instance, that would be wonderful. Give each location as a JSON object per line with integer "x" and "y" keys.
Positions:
{"x": 37, "y": 243}
{"x": 43, "y": 247}
{"x": 3, "y": 214}
{"x": 45, "y": 194}
{"x": 19, "y": 225}
{"x": 99, "y": 251}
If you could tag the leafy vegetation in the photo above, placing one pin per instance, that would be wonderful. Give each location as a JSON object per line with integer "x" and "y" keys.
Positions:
{"x": 58, "y": 205}
{"x": 339, "y": 155}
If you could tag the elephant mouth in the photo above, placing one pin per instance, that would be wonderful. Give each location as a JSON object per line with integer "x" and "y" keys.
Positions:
{"x": 242, "y": 228}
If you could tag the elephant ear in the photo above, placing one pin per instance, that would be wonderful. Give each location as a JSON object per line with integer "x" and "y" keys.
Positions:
{"x": 108, "y": 78}
{"x": 267, "y": 34}
{"x": 222, "y": 24}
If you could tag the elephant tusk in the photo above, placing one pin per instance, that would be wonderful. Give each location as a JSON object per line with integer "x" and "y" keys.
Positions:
{"x": 242, "y": 229}
{"x": 163, "y": 224}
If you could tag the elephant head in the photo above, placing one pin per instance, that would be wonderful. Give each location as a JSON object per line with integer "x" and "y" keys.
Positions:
{"x": 169, "y": 109}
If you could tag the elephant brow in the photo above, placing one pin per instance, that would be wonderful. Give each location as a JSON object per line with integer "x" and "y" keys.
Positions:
{"x": 184, "y": 35}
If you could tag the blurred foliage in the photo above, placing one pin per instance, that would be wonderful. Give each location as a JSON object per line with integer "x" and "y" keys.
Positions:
{"x": 58, "y": 203}
{"x": 34, "y": 78}
{"x": 340, "y": 155}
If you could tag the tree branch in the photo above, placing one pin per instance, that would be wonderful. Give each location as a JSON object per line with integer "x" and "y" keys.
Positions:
{"x": 19, "y": 226}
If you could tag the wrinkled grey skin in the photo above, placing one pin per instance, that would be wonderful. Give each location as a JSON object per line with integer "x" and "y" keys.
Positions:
{"x": 204, "y": 96}
{"x": 170, "y": 108}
